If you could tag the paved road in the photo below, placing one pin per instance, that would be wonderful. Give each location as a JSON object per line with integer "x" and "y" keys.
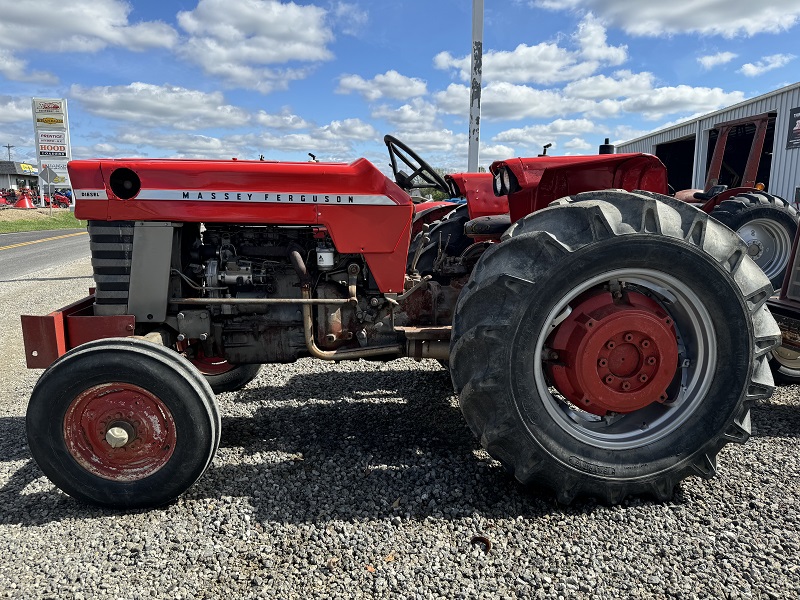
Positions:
{"x": 25, "y": 253}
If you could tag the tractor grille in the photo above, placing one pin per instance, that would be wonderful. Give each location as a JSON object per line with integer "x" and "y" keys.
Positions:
{"x": 111, "y": 243}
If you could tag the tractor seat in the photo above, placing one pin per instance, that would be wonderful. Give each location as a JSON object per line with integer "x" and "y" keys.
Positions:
{"x": 492, "y": 226}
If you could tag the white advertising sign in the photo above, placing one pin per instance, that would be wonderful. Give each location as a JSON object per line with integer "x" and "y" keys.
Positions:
{"x": 51, "y": 124}
{"x": 51, "y": 121}
{"x": 52, "y": 143}
{"x": 60, "y": 167}
{"x": 48, "y": 106}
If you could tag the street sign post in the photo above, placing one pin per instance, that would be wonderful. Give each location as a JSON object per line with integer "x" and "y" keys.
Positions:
{"x": 49, "y": 176}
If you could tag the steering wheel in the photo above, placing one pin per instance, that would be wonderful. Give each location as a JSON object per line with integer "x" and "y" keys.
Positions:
{"x": 422, "y": 172}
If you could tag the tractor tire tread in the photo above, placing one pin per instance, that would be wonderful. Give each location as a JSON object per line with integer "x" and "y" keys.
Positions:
{"x": 505, "y": 275}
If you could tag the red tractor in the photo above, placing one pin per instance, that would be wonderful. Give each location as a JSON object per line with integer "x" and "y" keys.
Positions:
{"x": 785, "y": 359}
{"x": 602, "y": 343}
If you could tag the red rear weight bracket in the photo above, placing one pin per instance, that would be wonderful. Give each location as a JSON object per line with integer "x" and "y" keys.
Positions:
{"x": 614, "y": 355}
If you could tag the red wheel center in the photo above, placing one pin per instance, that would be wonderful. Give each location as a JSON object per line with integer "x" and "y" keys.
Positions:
{"x": 119, "y": 431}
{"x": 623, "y": 361}
{"x": 614, "y": 355}
{"x": 211, "y": 365}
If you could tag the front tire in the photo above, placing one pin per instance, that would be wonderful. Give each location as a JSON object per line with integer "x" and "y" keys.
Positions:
{"x": 649, "y": 272}
{"x": 122, "y": 423}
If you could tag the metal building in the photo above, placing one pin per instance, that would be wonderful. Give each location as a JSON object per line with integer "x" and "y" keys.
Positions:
{"x": 687, "y": 148}
{"x": 17, "y": 175}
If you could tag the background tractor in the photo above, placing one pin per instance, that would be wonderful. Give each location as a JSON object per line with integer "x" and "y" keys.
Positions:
{"x": 602, "y": 343}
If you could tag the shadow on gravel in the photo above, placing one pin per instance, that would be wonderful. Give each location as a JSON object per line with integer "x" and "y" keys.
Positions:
{"x": 775, "y": 420}
{"x": 395, "y": 448}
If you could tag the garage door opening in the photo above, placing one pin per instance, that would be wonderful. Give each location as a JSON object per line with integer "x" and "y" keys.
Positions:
{"x": 678, "y": 157}
{"x": 742, "y": 163}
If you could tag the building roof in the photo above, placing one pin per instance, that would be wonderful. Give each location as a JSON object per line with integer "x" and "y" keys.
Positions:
{"x": 716, "y": 112}
{"x": 8, "y": 167}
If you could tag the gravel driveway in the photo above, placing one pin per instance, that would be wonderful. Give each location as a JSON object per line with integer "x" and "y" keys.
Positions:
{"x": 361, "y": 480}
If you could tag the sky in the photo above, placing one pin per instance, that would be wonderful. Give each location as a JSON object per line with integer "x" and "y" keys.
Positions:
{"x": 245, "y": 78}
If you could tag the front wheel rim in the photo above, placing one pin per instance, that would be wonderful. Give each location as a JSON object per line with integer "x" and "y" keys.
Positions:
{"x": 119, "y": 431}
{"x": 697, "y": 359}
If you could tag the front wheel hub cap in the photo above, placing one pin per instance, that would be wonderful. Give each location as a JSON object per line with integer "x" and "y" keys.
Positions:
{"x": 614, "y": 355}
{"x": 119, "y": 431}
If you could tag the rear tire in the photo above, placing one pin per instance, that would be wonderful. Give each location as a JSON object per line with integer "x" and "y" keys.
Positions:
{"x": 163, "y": 412}
{"x": 785, "y": 365}
{"x": 695, "y": 270}
{"x": 222, "y": 376}
{"x": 767, "y": 224}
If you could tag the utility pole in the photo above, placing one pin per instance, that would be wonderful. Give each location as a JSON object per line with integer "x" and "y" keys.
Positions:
{"x": 475, "y": 88}
{"x": 9, "y": 147}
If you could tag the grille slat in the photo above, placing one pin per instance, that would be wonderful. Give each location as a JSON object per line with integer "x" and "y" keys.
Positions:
{"x": 111, "y": 244}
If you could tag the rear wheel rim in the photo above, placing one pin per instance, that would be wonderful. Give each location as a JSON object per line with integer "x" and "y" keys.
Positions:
{"x": 140, "y": 419}
{"x": 787, "y": 358}
{"x": 768, "y": 244}
{"x": 212, "y": 365}
{"x": 697, "y": 358}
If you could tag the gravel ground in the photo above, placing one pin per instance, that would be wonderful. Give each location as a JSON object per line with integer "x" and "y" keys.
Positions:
{"x": 361, "y": 480}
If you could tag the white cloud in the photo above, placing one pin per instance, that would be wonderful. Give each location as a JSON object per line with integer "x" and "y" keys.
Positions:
{"x": 74, "y": 26}
{"x": 348, "y": 129}
{"x": 16, "y": 69}
{"x": 387, "y": 85}
{"x": 543, "y": 63}
{"x": 662, "y": 101}
{"x": 417, "y": 114}
{"x": 181, "y": 145}
{"x": 500, "y": 101}
{"x": 592, "y": 39}
{"x": 624, "y": 133}
{"x": 152, "y": 105}
{"x": 236, "y": 40}
{"x": 284, "y": 120}
{"x": 323, "y": 148}
{"x": 79, "y": 26}
{"x": 712, "y": 60}
{"x": 14, "y": 110}
{"x": 767, "y": 63}
{"x": 577, "y": 144}
{"x": 531, "y": 134}
{"x": 492, "y": 152}
{"x": 623, "y": 83}
{"x": 441, "y": 141}
{"x": 349, "y": 18}
{"x": 728, "y": 18}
